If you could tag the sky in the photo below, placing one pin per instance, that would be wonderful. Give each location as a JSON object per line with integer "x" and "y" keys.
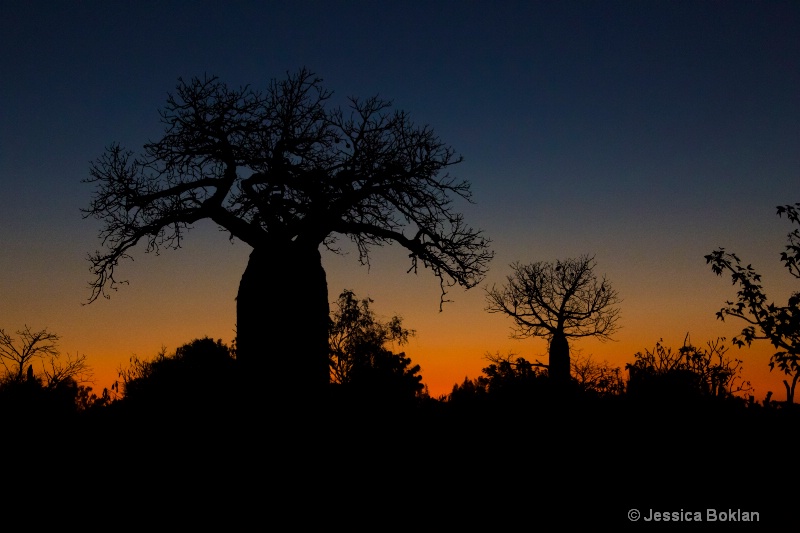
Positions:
{"x": 647, "y": 134}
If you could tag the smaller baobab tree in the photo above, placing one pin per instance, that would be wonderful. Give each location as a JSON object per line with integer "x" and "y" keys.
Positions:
{"x": 31, "y": 392}
{"x": 558, "y": 301}
{"x": 19, "y": 354}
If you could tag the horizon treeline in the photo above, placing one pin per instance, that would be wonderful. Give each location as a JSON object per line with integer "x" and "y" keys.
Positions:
{"x": 366, "y": 372}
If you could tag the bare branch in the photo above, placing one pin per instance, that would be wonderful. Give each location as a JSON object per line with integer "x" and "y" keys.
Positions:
{"x": 283, "y": 166}
{"x": 72, "y": 368}
{"x": 17, "y": 354}
{"x": 565, "y": 296}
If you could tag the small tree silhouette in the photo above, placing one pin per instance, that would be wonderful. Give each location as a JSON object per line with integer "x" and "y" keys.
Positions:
{"x": 558, "y": 300}
{"x": 780, "y": 325}
{"x": 511, "y": 378}
{"x": 18, "y": 354}
{"x": 360, "y": 359}
{"x": 38, "y": 383}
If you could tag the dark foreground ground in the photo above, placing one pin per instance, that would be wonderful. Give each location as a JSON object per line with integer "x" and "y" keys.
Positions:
{"x": 354, "y": 465}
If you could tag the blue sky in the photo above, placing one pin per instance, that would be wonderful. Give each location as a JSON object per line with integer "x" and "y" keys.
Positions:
{"x": 647, "y": 133}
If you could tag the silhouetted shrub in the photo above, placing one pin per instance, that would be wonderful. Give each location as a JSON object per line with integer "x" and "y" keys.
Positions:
{"x": 200, "y": 375}
{"x": 30, "y": 401}
{"x": 690, "y": 373}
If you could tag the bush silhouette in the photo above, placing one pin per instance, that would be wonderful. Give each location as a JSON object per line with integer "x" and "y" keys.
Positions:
{"x": 688, "y": 373}
{"x": 198, "y": 377}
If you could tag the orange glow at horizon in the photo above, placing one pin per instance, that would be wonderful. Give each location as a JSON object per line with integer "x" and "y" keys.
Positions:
{"x": 443, "y": 367}
{"x": 177, "y": 297}
{"x": 678, "y": 136}
{"x": 446, "y": 358}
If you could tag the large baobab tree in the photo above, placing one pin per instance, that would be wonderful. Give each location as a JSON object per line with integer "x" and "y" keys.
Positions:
{"x": 286, "y": 172}
{"x": 558, "y": 300}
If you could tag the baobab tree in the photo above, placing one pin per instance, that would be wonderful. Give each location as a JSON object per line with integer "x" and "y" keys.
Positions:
{"x": 17, "y": 354}
{"x": 558, "y": 301}
{"x": 287, "y": 173}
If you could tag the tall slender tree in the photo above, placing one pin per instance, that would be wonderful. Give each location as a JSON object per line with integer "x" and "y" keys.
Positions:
{"x": 287, "y": 173}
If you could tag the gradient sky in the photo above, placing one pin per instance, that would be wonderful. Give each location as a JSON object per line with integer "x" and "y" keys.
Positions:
{"x": 646, "y": 133}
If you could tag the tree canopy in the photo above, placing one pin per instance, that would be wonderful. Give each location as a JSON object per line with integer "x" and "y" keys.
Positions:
{"x": 557, "y": 300}
{"x": 17, "y": 353}
{"x": 283, "y": 164}
{"x": 361, "y": 358}
{"x": 287, "y": 172}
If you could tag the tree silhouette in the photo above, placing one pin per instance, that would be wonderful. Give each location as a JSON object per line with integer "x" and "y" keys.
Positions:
{"x": 17, "y": 355}
{"x": 50, "y": 392}
{"x": 360, "y": 358}
{"x": 511, "y": 378}
{"x": 286, "y": 172}
{"x": 778, "y": 324}
{"x": 557, "y": 300}
{"x": 57, "y": 370}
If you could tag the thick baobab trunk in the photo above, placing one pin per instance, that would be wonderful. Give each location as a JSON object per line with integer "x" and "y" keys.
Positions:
{"x": 282, "y": 316}
{"x": 559, "y": 359}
